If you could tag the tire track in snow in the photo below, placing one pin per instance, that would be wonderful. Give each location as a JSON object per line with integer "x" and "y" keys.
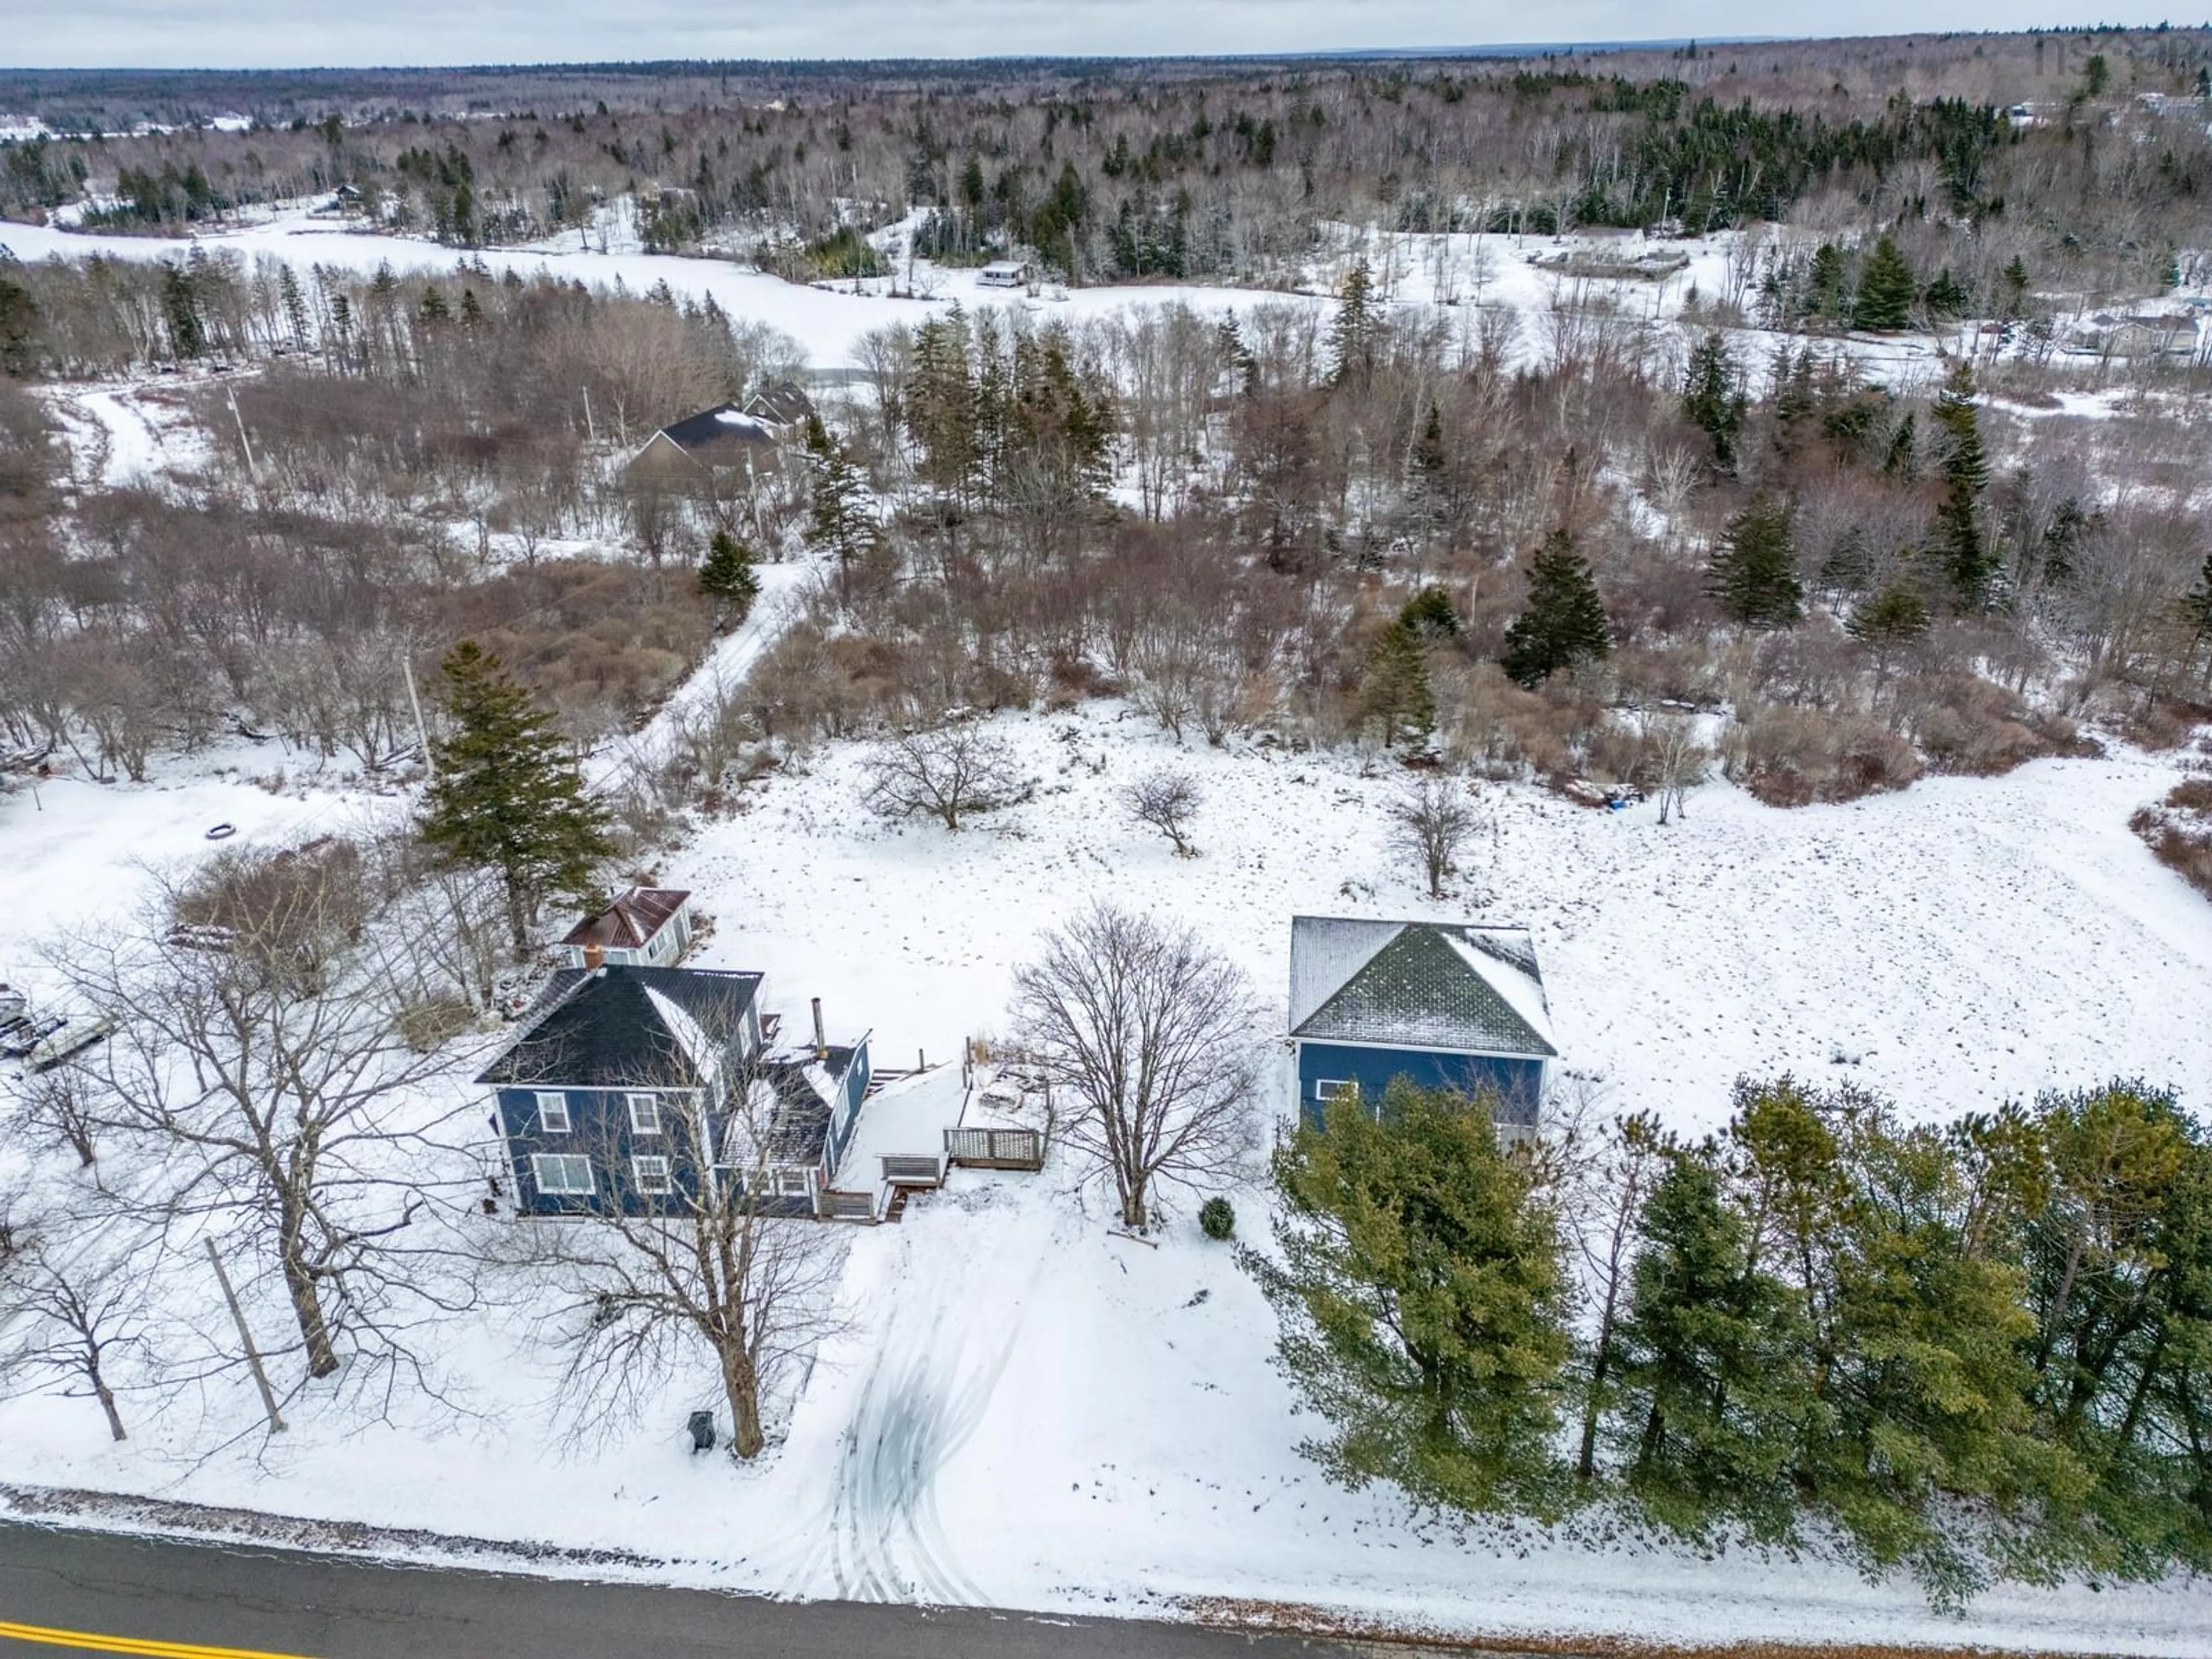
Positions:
{"x": 921, "y": 1402}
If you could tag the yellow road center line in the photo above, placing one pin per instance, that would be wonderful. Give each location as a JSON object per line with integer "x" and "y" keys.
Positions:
{"x": 138, "y": 1647}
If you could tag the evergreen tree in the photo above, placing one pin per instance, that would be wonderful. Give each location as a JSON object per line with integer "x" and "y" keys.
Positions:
{"x": 295, "y": 308}
{"x": 840, "y": 520}
{"x": 1901, "y": 460}
{"x": 1713, "y": 398}
{"x": 434, "y": 309}
{"x": 507, "y": 791}
{"x": 1564, "y": 623}
{"x": 1431, "y": 615}
{"x": 1710, "y": 1389}
{"x": 2015, "y": 287}
{"x": 1396, "y": 694}
{"x": 1753, "y": 571}
{"x": 1887, "y": 621}
{"x": 726, "y": 576}
{"x": 940, "y": 405}
{"x": 1961, "y": 543}
{"x": 180, "y": 307}
{"x": 1825, "y": 298}
{"x": 1355, "y": 334}
{"x": 2196, "y": 607}
{"x": 1422, "y": 1293}
{"x": 1887, "y": 287}
{"x": 1947, "y": 297}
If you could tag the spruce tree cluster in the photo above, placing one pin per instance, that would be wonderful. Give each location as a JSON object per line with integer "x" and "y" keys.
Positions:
{"x": 1564, "y": 623}
{"x": 1397, "y": 698}
{"x": 508, "y": 794}
{"x": 1713, "y": 397}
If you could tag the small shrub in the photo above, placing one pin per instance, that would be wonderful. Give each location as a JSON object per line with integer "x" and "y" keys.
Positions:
{"x": 1217, "y": 1219}
{"x": 2179, "y": 832}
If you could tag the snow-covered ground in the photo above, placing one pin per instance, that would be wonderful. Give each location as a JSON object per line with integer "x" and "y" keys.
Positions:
{"x": 1029, "y": 1410}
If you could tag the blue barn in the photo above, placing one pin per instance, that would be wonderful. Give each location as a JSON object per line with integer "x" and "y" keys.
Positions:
{"x": 633, "y": 1090}
{"x": 1443, "y": 1005}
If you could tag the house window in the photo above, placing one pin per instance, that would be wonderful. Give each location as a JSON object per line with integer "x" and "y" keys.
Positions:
{"x": 645, "y": 1115}
{"x": 561, "y": 1175}
{"x": 553, "y": 1114}
{"x": 792, "y": 1183}
{"x": 1336, "y": 1088}
{"x": 651, "y": 1175}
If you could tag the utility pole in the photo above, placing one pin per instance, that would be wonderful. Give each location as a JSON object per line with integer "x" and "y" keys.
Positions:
{"x": 252, "y": 469}
{"x": 245, "y": 1336}
{"x": 421, "y": 731}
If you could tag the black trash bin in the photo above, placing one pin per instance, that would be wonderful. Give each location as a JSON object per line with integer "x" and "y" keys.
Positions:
{"x": 702, "y": 1432}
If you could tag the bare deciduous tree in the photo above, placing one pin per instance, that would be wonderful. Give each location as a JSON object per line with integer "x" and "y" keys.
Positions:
{"x": 1148, "y": 1033}
{"x": 948, "y": 772}
{"x": 1678, "y": 763}
{"x": 66, "y": 1321}
{"x": 1430, "y": 821}
{"x": 1167, "y": 800}
{"x": 269, "y": 1074}
{"x": 720, "y": 1265}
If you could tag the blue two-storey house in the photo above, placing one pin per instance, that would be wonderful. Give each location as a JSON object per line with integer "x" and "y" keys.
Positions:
{"x": 1443, "y": 1005}
{"x": 642, "y": 1091}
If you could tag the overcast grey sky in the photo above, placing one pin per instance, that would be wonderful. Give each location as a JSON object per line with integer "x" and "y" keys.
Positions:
{"x": 271, "y": 34}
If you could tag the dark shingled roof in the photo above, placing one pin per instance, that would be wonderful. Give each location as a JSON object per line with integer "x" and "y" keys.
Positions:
{"x": 607, "y": 1028}
{"x": 1425, "y": 985}
{"x": 724, "y": 423}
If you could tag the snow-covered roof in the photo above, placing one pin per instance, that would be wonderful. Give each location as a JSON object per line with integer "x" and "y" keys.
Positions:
{"x": 624, "y": 1027}
{"x": 1428, "y": 985}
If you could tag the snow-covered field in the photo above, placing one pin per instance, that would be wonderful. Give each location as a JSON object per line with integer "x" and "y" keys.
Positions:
{"x": 1028, "y": 1411}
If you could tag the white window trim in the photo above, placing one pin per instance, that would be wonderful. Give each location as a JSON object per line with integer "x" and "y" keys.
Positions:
{"x": 542, "y": 1164}
{"x": 552, "y": 1103}
{"x": 1336, "y": 1088}
{"x": 651, "y": 1104}
{"x": 791, "y": 1182}
{"x": 651, "y": 1176}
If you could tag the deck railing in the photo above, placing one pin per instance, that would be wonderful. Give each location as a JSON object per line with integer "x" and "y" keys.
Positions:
{"x": 847, "y": 1206}
{"x": 913, "y": 1169}
{"x": 994, "y": 1148}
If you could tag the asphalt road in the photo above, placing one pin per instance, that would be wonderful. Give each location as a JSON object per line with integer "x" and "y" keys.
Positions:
{"x": 195, "y": 1600}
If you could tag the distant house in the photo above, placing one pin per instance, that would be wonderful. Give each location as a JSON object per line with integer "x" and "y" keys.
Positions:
{"x": 632, "y": 1090}
{"x": 1443, "y": 1005}
{"x": 745, "y": 437}
{"x": 1003, "y": 273}
{"x": 644, "y": 927}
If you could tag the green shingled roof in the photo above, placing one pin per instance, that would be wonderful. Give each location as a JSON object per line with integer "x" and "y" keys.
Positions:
{"x": 1433, "y": 986}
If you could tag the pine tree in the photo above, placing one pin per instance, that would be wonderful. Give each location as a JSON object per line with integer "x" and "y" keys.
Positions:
{"x": 1708, "y": 1391}
{"x": 1431, "y": 615}
{"x": 2015, "y": 287}
{"x": 1753, "y": 571}
{"x": 1901, "y": 460}
{"x": 1355, "y": 334}
{"x": 1960, "y": 544}
{"x": 727, "y": 577}
{"x": 840, "y": 521}
{"x": 1421, "y": 1288}
{"x": 2198, "y": 606}
{"x": 1713, "y": 398}
{"x": 1564, "y": 623}
{"x": 1886, "y": 288}
{"x": 507, "y": 791}
{"x": 1396, "y": 695}
{"x": 1947, "y": 297}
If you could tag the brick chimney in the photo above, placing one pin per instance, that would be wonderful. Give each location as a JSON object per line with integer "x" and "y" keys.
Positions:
{"x": 595, "y": 956}
{"x": 821, "y": 1043}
